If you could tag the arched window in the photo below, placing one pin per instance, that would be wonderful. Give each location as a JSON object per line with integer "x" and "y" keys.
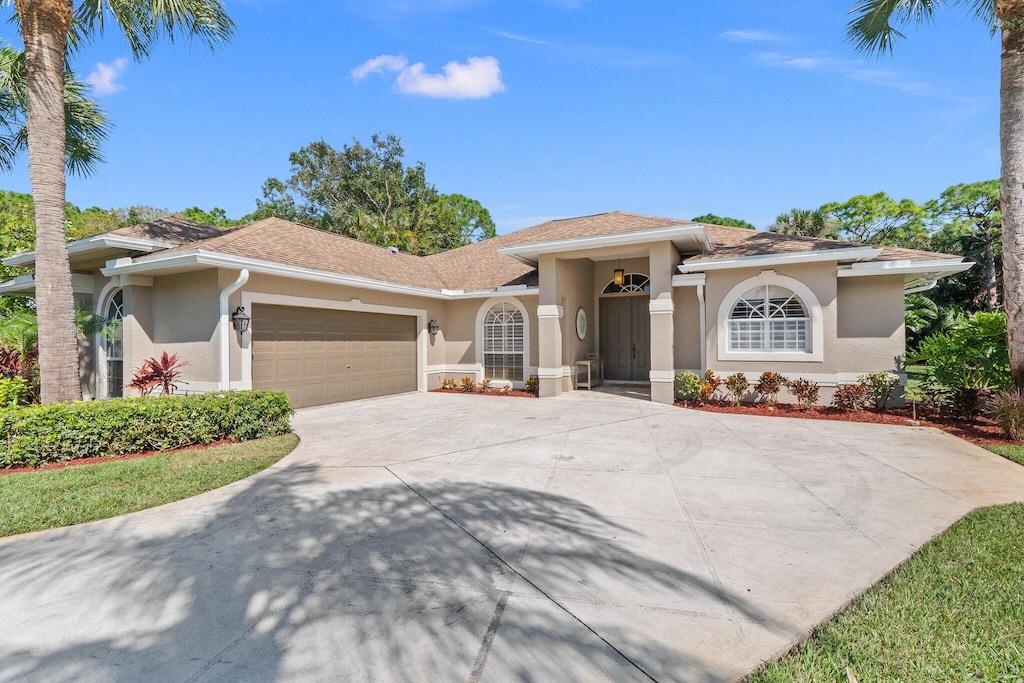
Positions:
{"x": 631, "y": 283}
{"x": 504, "y": 342}
{"x": 112, "y": 339}
{"x": 769, "y": 318}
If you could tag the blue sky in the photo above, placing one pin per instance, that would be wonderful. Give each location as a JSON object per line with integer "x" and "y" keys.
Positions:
{"x": 555, "y": 108}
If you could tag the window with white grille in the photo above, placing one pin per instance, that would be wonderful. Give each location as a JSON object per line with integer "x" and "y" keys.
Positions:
{"x": 769, "y": 318}
{"x": 504, "y": 343}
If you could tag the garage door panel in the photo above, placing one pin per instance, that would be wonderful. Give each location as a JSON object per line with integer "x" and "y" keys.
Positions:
{"x": 324, "y": 356}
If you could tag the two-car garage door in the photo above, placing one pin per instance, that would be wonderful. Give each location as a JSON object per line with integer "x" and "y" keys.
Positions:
{"x": 324, "y": 356}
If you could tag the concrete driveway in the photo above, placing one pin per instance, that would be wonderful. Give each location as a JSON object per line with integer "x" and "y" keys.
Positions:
{"x": 440, "y": 537}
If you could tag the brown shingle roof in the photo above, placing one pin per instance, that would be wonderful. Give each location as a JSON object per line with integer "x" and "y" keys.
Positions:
{"x": 171, "y": 229}
{"x": 281, "y": 241}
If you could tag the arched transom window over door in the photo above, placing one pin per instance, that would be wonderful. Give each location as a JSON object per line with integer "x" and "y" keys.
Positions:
{"x": 112, "y": 339}
{"x": 632, "y": 283}
{"x": 769, "y": 318}
{"x": 504, "y": 343}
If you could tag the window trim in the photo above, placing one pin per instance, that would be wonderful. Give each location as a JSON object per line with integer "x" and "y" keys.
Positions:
{"x": 641, "y": 291}
{"x": 108, "y": 292}
{"x": 481, "y": 316}
{"x": 814, "y": 315}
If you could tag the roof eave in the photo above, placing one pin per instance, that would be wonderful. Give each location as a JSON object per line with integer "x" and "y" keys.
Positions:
{"x": 530, "y": 253}
{"x": 779, "y": 259}
{"x": 96, "y": 243}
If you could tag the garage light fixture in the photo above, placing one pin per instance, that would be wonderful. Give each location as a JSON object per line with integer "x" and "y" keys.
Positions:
{"x": 433, "y": 327}
{"x": 240, "y": 320}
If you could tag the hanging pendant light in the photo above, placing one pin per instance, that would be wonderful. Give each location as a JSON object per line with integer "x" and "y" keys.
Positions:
{"x": 619, "y": 275}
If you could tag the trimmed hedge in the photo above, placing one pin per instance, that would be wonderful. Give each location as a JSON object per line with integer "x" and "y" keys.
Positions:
{"x": 40, "y": 435}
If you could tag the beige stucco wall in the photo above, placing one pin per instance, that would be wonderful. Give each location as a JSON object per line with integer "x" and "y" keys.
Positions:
{"x": 871, "y": 331}
{"x": 184, "y": 321}
{"x": 687, "y": 332}
{"x": 820, "y": 278}
{"x": 459, "y": 328}
{"x": 576, "y": 290}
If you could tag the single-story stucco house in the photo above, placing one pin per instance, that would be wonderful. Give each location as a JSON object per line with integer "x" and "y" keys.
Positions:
{"x": 334, "y": 319}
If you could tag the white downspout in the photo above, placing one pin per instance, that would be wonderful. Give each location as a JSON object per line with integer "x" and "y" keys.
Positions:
{"x": 703, "y": 330}
{"x": 225, "y": 329}
{"x": 929, "y": 284}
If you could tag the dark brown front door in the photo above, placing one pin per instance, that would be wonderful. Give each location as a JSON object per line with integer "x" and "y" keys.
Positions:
{"x": 626, "y": 338}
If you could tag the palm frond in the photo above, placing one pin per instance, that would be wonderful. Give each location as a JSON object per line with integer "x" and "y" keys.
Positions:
{"x": 86, "y": 124}
{"x": 873, "y": 29}
{"x": 144, "y": 21}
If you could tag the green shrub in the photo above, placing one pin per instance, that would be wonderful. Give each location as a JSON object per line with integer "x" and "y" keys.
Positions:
{"x": 39, "y": 435}
{"x": 737, "y": 385}
{"x": 805, "y": 391}
{"x": 849, "y": 397}
{"x": 769, "y": 384}
{"x": 879, "y": 386}
{"x": 968, "y": 361}
{"x": 533, "y": 384}
{"x": 1007, "y": 409}
{"x": 688, "y": 385}
{"x": 14, "y": 391}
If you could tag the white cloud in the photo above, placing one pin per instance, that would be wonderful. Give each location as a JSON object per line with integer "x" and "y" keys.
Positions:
{"x": 477, "y": 78}
{"x": 750, "y": 36}
{"x": 379, "y": 65}
{"x": 104, "y": 79}
{"x": 519, "y": 37}
{"x": 853, "y": 69}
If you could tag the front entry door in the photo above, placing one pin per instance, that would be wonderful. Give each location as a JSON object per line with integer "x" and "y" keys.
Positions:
{"x": 626, "y": 338}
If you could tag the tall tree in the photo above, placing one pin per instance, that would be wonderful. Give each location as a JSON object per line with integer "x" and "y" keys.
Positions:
{"x": 805, "y": 223}
{"x": 712, "y": 219}
{"x": 879, "y": 219}
{"x": 971, "y": 222}
{"x": 215, "y": 216}
{"x": 873, "y": 30}
{"x": 48, "y": 28}
{"x": 370, "y": 194}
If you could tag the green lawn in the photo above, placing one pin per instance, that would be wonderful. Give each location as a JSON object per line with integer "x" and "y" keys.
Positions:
{"x": 953, "y": 612}
{"x": 31, "y": 501}
{"x": 1014, "y": 453}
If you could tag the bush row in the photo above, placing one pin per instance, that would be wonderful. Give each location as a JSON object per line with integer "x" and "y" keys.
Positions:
{"x": 876, "y": 387}
{"x": 40, "y": 435}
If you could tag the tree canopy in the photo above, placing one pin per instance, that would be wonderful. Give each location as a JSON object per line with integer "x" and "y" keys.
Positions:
{"x": 712, "y": 219}
{"x": 370, "y": 194}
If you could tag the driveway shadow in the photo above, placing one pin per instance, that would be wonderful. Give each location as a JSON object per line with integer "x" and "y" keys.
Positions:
{"x": 319, "y": 574}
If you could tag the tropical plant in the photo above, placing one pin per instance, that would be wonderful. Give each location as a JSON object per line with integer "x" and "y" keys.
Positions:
{"x": 688, "y": 385}
{"x": 48, "y": 30}
{"x": 467, "y": 385}
{"x": 879, "y": 386}
{"x": 874, "y": 30}
{"x": 449, "y": 384}
{"x": 533, "y": 384}
{"x": 737, "y": 385}
{"x": 769, "y": 384}
{"x": 967, "y": 361}
{"x": 162, "y": 372}
{"x": 11, "y": 364}
{"x": 485, "y": 385}
{"x": 505, "y": 390}
{"x": 1007, "y": 409}
{"x": 805, "y": 391}
{"x": 709, "y": 387}
{"x": 920, "y": 314}
{"x": 14, "y": 391}
{"x": 805, "y": 223}
{"x": 849, "y": 397}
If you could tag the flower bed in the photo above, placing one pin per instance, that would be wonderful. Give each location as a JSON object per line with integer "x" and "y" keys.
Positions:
{"x": 491, "y": 392}
{"x": 980, "y": 431}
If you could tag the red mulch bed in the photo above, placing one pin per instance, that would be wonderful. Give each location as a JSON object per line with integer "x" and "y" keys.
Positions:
{"x": 481, "y": 392}
{"x": 96, "y": 461}
{"x": 980, "y": 431}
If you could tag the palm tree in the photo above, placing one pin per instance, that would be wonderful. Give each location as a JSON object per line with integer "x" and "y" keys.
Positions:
{"x": 48, "y": 29}
{"x": 804, "y": 223}
{"x": 873, "y": 30}
{"x": 86, "y": 124}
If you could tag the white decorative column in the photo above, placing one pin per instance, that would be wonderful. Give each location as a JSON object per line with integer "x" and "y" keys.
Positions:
{"x": 663, "y": 259}
{"x": 549, "y": 336}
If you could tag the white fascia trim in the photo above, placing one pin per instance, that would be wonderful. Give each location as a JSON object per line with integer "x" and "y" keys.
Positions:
{"x": 690, "y": 280}
{"x": 455, "y": 294}
{"x": 95, "y": 243}
{"x": 931, "y": 269}
{"x": 201, "y": 257}
{"x": 528, "y": 253}
{"x": 818, "y": 256}
{"x": 81, "y": 283}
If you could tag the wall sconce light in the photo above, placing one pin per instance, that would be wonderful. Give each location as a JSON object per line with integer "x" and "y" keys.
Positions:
{"x": 433, "y": 327}
{"x": 618, "y": 277}
{"x": 240, "y": 320}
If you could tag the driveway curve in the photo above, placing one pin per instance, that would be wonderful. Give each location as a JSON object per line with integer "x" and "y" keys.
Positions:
{"x": 472, "y": 538}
